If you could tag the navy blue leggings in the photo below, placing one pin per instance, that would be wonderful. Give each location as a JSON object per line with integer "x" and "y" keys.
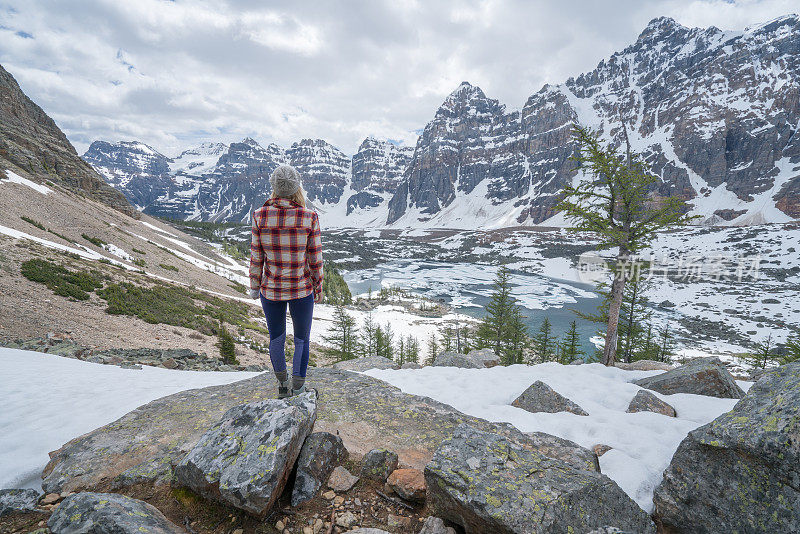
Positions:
{"x": 302, "y": 311}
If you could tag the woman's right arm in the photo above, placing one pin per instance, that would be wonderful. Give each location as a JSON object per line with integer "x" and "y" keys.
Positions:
{"x": 256, "y": 259}
{"x": 314, "y": 257}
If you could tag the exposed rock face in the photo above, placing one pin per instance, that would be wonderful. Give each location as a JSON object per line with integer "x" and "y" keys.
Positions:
{"x": 246, "y": 458}
{"x": 18, "y": 500}
{"x": 408, "y": 484}
{"x": 341, "y": 479}
{"x": 487, "y": 484}
{"x": 365, "y": 364}
{"x": 644, "y": 401}
{"x": 324, "y": 169}
{"x": 703, "y": 376}
{"x": 740, "y": 472}
{"x": 377, "y": 170}
{"x": 365, "y": 412}
{"x": 108, "y": 512}
{"x": 539, "y": 397}
{"x": 321, "y": 453}
{"x": 454, "y": 359}
{"x": 31, "y": 141}
{"x": 379, "y": 464}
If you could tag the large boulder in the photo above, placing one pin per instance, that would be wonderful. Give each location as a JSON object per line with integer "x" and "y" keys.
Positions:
{"x": 365, "y": 364}
{"x": 485, "y": 356}
{"x": 703, "y": 376}
{"x": 321, "y": 453}
{"x": 644, "y": 401}
{"x": 454, "y": 359}
{"x": 108, "y": 513}
{"x": 486, "y": 483}
{"x": 740, "y": 472}
{"x": 644, "y": 365}
{"x": 539, "y": 397}
{"x": 18, "y": 501}
{"x": 246, "y": 458}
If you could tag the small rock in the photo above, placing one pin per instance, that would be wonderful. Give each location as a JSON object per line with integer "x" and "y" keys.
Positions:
{"x": 341, "y": 479}
{"x": 379, "y": 464}
{"x": 318, "y": 524}
{"x": 644, "y": 401}
{"x": 238, "y": 531}
{"x": 346, "y": 520}
{"x": 539, "y": 397}
{"x": 357, "y": 501}
{"x": 308, "y": 530}
{"x": 409, "y": 484}
{"x": 398, "y": 521}
{"x": 435, "y": 525}
{"x": 368, "y": 531}
{"x": 338, "y": 500}
{"x": 279, "y": 526}
{"x": 329, "y": 495}
{"x": 108, "y": 512}
{"x": 170, "y": 363}
{"x": 17, "y": 500}
{"x": 50, "y": 498}
{"x": 601, "y": 449}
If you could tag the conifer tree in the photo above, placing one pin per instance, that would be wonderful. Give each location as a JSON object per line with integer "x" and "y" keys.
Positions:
{"x": 544, "y": 343}
{"x": 447, "y": 339}
{"x": 763, "y": 355}
{"x": 791, "y": 351}
{"x": 368, "y": 335}
{"x": 665, "y": 350}
{"x": 494, "y": 326}
{"x": 227, "y": 346}
{"x": 518, "y": 340}
{"x": 433, "y": 349}
{"x": 401, "y": 352}
{"x": 613, "y": 199}
{"x": 412, "y": 349}
{"x": 570, "y": 346}
{"x": 343, "y": 335}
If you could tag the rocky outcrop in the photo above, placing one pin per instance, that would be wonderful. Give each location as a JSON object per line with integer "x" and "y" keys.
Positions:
{"x": 539, "y": 397}
{"x": 108, "y": 512}
{"x": 31, "y": 141}
{"x": 703, "y": 376}
{"x": 321, "y": 453}
{"x": 365, "y": 364}
{"x": 18, "y": 501}
{"x": 486, "y": 483}
{"x": 378, "y": 464}
{"x": 644, "y": 401}
{"x": 245, "y": 460}
{"x": 365, "y": 412}
{"x": 409, "y": 484}
{"x": 740, "y": 472}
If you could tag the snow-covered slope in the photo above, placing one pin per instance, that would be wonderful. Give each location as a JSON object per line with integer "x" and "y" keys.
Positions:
{"x": 716, "y": 113}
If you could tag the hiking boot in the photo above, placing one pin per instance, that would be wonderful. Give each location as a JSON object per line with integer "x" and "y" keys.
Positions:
{"x": 283, "y": 390}
{"x": 299, "y": 391}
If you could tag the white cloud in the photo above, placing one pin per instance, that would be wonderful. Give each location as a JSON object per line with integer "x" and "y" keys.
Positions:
{"x": 174, "y": 74}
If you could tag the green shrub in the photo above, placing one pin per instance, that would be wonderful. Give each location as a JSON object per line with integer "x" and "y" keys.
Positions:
{"x": 334, "y": 288}
{"x": 168, "y": 267}
{"x": 236, "y": 286}
{"x": 137, "y": 251}
{"x": 61, "y": 281}
{"x": 139, "y": 262}
{"x": 227, "y": 347}
{"x": 65, "y": 238}
{"x": 96, "y": 241}
{"x": 38, "y": 225}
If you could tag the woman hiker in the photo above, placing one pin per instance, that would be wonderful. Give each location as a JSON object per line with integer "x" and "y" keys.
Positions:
{"x": 286, "y": 268}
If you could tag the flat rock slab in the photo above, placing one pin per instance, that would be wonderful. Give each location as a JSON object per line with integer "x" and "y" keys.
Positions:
{"x": 740, "y": 472}
{"x": 14, "y": 501}
{"x": 365, "y": 364}
{"x": 364, "y": 411}
{"x": 486, "y": 483}
{"x": 644, "y": 401}
{"x": 246, "y": 458}
{"x": 108, "y": 513}
{"x": 539, "y": 397}
{"x": 703, "y": 376}
{"x": 321, "y": 453}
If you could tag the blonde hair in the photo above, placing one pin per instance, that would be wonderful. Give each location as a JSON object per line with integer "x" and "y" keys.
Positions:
{"x": 298, "y": 197}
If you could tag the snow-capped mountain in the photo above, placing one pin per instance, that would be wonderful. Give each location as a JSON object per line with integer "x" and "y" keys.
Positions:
{"x": 715, "y": 113}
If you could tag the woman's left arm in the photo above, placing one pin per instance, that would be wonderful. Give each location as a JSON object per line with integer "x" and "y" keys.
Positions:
{"x": 256, "y": 259}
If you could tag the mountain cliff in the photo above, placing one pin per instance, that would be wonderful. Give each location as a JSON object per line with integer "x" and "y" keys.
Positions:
{"x": 715, "y": 113}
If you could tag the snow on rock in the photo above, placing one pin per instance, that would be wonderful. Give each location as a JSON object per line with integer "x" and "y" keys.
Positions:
{"x": 14, "y": 178}
{"x": 642, "y": 443}
{"x": 48, "y": 400}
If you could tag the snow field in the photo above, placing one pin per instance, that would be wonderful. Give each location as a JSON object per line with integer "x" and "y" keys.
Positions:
{"x": 48, "y": 400}
{"x": 643, "y": 443}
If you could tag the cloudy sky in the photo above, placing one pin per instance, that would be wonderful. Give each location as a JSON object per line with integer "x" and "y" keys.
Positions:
{"x": 174, "y": 74}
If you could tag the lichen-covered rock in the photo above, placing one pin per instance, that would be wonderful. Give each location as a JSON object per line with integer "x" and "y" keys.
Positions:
{"x": 365, "y": 364}
{"x": 341, "y": 479}
{"x": 644, "y": 365}
{"x": 740, "y": 472}
{"x": 246, "y": 458}
{"x": 409, "y": 484}
{"x": 486, "y": 483}
{"x": 18, "y": 501}
{"x": 108, "y": 513}
{"x": 321, "y": 453}
{"x": 379, "y": 464}
{"x": 539, "y": 397}
{"x": 644, "y": 401}
{"x": 454, "y": 359}
{"x": 703, "y": 376}
{"x": 435, "y": 525}
{"x": 561, "y": 449}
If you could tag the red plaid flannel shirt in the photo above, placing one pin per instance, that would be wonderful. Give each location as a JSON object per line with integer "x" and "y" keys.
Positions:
{"x": 285, "y": 251}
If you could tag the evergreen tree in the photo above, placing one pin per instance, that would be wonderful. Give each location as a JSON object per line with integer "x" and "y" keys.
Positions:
{"x": 384, "y": 342}
{"x": 412, "y": 350}
{"x": 763, "y": 355}
{"x": 494, "y": 326}
{"x": 791, "y": 352}
{"x": 447, "y": 339}
{"x": 613, "y": 199}
{"x": 544, "y": 343}
{"x": 570, "y": 346}
{"x": 369, "y": 336}
{"x": 334, "y": 288}
{"x": 665, "y": 350}
{"x": 517, "y": 340}
{"x": 227, "y": 346}
{"x": 343, "y": 335}
{"x": 401, "y": 352}
{"x": 433, "y": 349}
